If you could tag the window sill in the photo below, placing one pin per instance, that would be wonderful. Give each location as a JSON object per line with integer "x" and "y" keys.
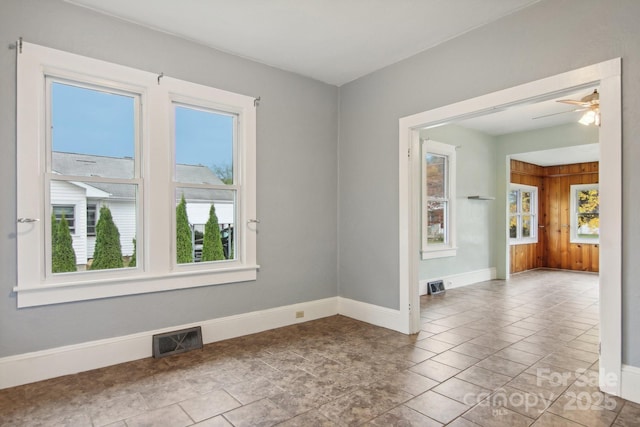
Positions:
{"x": 585, "y": 242}
{"x": 523, "y": 242}
{"x": 439, "y": 253}
{"x": 32, "y": 296}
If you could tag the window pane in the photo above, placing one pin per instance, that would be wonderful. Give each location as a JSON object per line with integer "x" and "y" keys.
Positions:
{"x": 436, "y": 214}
{"x": 66, "y": 211}
{"x": 513, "y": 227}
{"x": 205, "y": 224}
{"x": 91, "y": 219}
{"x": 93, "y": 132}
{"x": 526, "y": 226}
{"x": 107, "y": 209}
{"x": 588, "y": 201}
{"x": 436, "y": 176}
{"x": 204, "y": 144}
{"x": 513, "y": 201}
{"x": 526, "y": 201}
{"x": 588, "y": 207}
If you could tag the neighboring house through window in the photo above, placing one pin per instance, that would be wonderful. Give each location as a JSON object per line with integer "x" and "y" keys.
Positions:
{"x": 585, "y": 213}
{"x": 438, "y": 200}
{"x": 102, "y": 135}
{"x": 523, "y": 214}
{"x": 91, "y": 219}
{"x": 68, "y": 211}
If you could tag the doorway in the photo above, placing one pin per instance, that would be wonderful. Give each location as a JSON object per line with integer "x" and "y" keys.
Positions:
{"x": 607, "y": 76}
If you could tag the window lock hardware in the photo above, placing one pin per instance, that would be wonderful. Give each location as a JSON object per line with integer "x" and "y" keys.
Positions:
{"x": 27, "y": 220}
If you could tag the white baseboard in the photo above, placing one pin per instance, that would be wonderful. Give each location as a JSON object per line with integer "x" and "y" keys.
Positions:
{"x": 462, "y": 279}
{"x": 630, "y": 383}
{"x": 374, "y": 314}
{"x": 31, "y": 367}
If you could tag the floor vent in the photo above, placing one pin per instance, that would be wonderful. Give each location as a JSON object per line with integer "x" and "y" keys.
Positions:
{"x": 435, "y": 287}
{"x": 177, "y": 342}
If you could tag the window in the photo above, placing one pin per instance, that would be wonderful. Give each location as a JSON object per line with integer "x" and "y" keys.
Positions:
{"x": 438, "y": 200}
{"x": 204, "y": 167}
{"x": 68, "y": 211}
{"x": 101, "y": 135}
{"x": 523, "y": 214}
{"x": 91, "y": 219}
{"x": 585, "y": 213}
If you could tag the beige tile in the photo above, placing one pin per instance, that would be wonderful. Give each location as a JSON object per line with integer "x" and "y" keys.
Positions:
{"x": 629, "y": 415}
{"x": 410, "y": 382}
{"x": 551, "y": 420}
{"x": 502, "y": 366}
{"x": 433, "y": 346}
{"x": 415, "y": 354}
{"x": 435, "y": 370}
{"x": 252, "y": 390}
{"x": 519, "y": 356}
{"x": 474, "y": 350}
{"x": 582, "y": 412}
{"x": 218, "y": 421}
{"x": 437, "y": 406}
{"x": 172, "y": 416}
{"x": 403, "y": 416}
{"x": 262, "y": 413}
{"x": 209, "y": 405}
{"x": 450, "y": 338}
{"x": 462, "y": 391}
{"x": 363, "y": 405}
{"x": 312, "y": 418}
{"x": 433, "y": 328}
{"x": 490, "y": 416}
{"x": 483, "y": 377}
{"x": 455, "y": 359}
{"x": 109, "y": 411}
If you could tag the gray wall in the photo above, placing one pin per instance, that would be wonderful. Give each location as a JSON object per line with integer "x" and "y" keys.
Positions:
{"x": 475, "y": 219}
{"x": 550, "y": 37}
{"x": 297, "y": 180}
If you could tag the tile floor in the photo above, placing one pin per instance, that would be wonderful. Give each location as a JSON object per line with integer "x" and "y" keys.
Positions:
{"x": 515, "y": 353}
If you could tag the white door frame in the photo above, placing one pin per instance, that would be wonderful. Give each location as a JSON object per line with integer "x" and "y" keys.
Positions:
{"x": 608, "y": 76}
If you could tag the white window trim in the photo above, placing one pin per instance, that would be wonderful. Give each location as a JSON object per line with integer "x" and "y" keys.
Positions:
{"x": 448, "y": 249}
{"x": 534, "y": 226}
{"x": 574, "y": 217}
{"x": 157, "y": 269}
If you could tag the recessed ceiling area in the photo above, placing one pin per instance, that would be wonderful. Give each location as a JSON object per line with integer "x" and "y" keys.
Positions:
{"x": 561, "y": 156}
{"x": 334, "y": 41}
{"x": 529, "y": 116}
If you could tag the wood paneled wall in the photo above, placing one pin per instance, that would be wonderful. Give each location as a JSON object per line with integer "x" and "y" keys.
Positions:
{"x": 554, "y": 249}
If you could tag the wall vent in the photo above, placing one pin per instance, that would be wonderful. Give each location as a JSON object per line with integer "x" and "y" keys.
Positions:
{"x": 177, "y": 342}
{"x": 435, "y": 287}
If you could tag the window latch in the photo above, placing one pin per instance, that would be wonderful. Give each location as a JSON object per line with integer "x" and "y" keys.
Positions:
{"x": 27, "y": 220}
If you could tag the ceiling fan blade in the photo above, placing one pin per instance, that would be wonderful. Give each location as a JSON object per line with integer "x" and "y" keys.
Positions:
{"x": 561, "y": 112}
{"x": 574, "y": 102}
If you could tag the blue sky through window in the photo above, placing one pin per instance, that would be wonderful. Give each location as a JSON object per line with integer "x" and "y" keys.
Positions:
{"x": 89, "y": 121}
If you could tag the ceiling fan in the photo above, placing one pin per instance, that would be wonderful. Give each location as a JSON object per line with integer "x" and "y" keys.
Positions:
{"x": 590, "y": 104}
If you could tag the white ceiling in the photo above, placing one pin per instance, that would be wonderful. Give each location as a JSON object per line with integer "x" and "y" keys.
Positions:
{"x": 334, "y": 41}
{"x": 562, "y": 156}
{"x": 529, "y": 116}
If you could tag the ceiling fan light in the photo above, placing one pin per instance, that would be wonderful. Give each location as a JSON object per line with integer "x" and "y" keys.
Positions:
{"x": 588, "y": 118}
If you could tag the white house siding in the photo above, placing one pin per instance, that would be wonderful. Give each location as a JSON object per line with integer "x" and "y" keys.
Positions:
{"x": 64, "y": 193}
{"x": 198, "y": 213}
{"x": 124, "y": 216}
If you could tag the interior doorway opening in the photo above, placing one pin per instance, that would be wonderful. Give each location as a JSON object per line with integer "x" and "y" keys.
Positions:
{"x": 606, "y": 75}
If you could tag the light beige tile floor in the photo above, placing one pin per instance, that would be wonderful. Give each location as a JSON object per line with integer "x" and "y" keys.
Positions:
{"x": 516, "y": 353}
